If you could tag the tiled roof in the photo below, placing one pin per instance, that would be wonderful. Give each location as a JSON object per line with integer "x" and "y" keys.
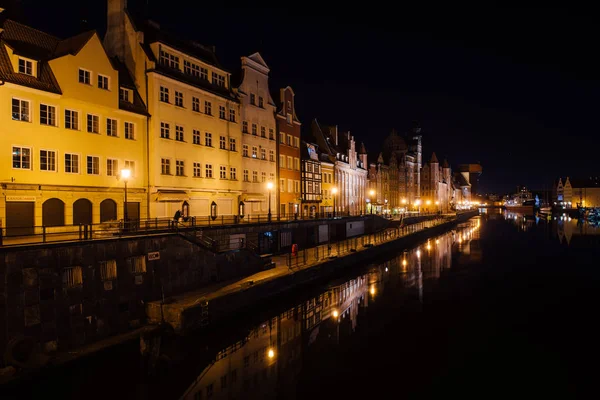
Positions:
{"x": 73, "y": 44}
{"x": 434, "y": 158}
{"x": 445, "y": 164}
{"x": 126, "y": 80}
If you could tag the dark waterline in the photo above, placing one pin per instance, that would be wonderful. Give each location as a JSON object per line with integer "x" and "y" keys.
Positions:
{"x": 502, "y": 306}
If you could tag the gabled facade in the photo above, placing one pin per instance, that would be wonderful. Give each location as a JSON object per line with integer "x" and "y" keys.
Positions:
{"x": 288, "y": 153}
{"x": 194, "y": 131}
{"x": 68, "y": 133}
{"x": 259, "y": 148}
{"x": 311, "y": 178}
{"x": 436, "y": 193}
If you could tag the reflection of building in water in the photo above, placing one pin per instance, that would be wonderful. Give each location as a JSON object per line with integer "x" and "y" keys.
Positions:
{"x": 438, "y": 256}
{"x": 571, "y": 230}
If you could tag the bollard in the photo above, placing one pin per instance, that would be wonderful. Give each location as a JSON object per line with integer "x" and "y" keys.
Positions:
{"x": 79, "y": 231}
{"x": 44, "y": 234}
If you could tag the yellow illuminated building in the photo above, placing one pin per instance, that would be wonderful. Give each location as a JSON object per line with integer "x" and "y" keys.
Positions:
{"x": 195, "y": 146}
{"x": 70, "y": 122}
{"x": 327, "y": 185}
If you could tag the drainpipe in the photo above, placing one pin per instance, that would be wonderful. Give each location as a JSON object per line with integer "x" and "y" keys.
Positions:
{"x": 147, "y": 145}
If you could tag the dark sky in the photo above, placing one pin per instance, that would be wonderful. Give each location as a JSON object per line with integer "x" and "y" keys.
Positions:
{"x": 515, "y": 89}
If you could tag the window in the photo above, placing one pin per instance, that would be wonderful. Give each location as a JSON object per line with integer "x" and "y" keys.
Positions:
{"x": 208, "y": 139}
{"x": 165, "y": 166}
{"x": 72, "y": 277}
{"x": 290, "y": 185}
{"x": 282, "y": 185}
{"x": 168, "y": 59}
{"x": 179, "y": 168}
{"x": 129, "y": 130}
{"x": 111, "y": 127}
{"x": 130, "y": 165}
{"x": 222, "y": 143}
{"x": 281, "y": 161}
{"x": 218, "y": 79}
{"x": 254, "y": 176}
{"x": 179, "y": 133}
{"x": 20, "y": 110}
{"x": 102, "y": 82}
{"x": 233, "y": 173}
{"x": 271, "y": 136}
{"x": 254, "y": 151}
{"x": 208, "y": 108}
{"x": 84, "y": 77}
{"x": 93, "y": 123}
{"x": 281, "y": 138}
{"x": 297, "y": 186}
{"x": 21, "y": 157}
{"x": 260, "y": 102}
{"x": 244, "y": 126}
{"x": 178, "y": 99}
{"x": 232, "y": 115}
{"x": 208, "y": 171}
{"x": 191, "y": 68}
{"x": 71, "y": 163}
{"x": 254, "y": 130}
{"x": 203, "y": 73}
{"x": 71, "y": 119}
{"x": 296, "y": 142}
{"x": 222, "y": 172}
{"x": 252, "y": 98}
{"x": 263, "y": 176}
{"x": 290, "y": 163}
{"x": 289, "y": 118}
{"x": 108, "y": 270}
{"x": 271, "y": 155}
{"x": 197, "y": 169}
{"x": 164, "y": 94}
{"x": 47, "y": 115}
{"x": 263, "y": 132}
{"x": 47, "y": 160}
{"x": 25, "y": 67}
{"x": 224, "y": 382}
{"x": 221, "y": 112}
{"x": 289, "y": 140}
{"x": 195, "y": 104}
{"x": 93, "y": 165}
{"x": 245, "y": 150}
{"x": 316, "y": 169}
{"x": 137, "y": 264}
{"x": 246, "y": 176}
{"x": 112, "y": 167}
{"x": 165, "y": 130}
{"x": 271, "y": 176}
{"x": 263, "y": 154}
{"x": 232, "y": 144}
{"x": 296, "y": 164}
{"x": 125, "y": 95}
{"x": 196, "y": 136}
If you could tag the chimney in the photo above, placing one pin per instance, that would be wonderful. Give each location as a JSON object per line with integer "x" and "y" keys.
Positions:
{"x": 114, "y": 40}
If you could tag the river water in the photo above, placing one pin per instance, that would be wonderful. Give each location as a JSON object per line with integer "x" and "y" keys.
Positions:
{"x": 502, "y": 306}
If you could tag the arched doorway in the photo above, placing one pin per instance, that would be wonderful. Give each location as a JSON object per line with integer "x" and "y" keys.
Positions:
{"x": 82, "y": 212}
{"x": 53, "y": 212}
{"x": 108, "y": 210}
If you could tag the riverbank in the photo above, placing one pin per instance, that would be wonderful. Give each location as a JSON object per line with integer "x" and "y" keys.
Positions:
{"x": 209, "y": 306}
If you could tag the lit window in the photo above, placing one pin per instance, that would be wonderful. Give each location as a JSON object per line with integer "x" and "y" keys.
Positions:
{"x": 71, "y": 119}
{"x": 21, "y": 157}
{"x": 208, "y": 139}
{"x": 129, "y": 130}
{"x": 164, "y": 94}
{"x": 165, "y": 166}
{"x": 179, "y": 167}
{"x": 197, "y": 170}
{"x": 102, "y": 82}
{"x": 111, "y": 127}
{"x": 72, "y": 277}
{"x": 281, "y": 138}
{"x": 263, "y": 154}
{"x": 84, "y": 76}
{"x": 254, "y": 151}
{"x": 93, "y": 165}
{"x": 179, "y": 133}
{"x": 47, "y": 115}
{"x": 296, "y": 142}
{"x": 47, "y": 160}
{"x": 178, "y": 99}
{"x": 165, "y": 130}
{"x": 93, "y": 123}
{"x": 25, "y": 66}
{"x": 289, "y": 140}
{"x": 20, "y": 110}
{"x": 72, "y": 163}
{"x": 208, "y": 171}
{"x": 289, "y": 118}
{"x": 282, "y": 185}
{"x": 112, "y": 167}
{"x": 108, "y": 270}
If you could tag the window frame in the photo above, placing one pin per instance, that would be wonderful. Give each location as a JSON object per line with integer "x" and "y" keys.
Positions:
{"x": 105, "y": 79}
{"x": 21, "y": 101}
{"x": 87, "y": 123}
{"x": 131, "y": 134}
{"x": 78, "y": 163}
{"x": 87, "y": 160}
{"x": 55, "y": 160}
{"x": 89, "y": 76}
{"x": 25, "y": 62}
{"x": 114, "y": 123}
{"x": 55, "y": 114}
{"x": 30, "y": 168}
{"x": 72, "y": 112}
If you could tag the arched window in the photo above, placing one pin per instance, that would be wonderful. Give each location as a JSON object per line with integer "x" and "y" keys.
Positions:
{"x": 53, "y": 212}
{"x": 82, "y": 212}
{"x": 108, "y": 210}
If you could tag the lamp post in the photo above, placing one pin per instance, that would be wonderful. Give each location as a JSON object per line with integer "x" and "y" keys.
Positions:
{"x": 334, "y": 192}
{"x": 125, "y": 175}
{"x": 437, "y": 206}
{"x": 371, "y": 194}
{"x": 269, "y": 187}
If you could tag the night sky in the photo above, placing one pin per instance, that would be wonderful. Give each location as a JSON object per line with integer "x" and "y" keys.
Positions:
{"x": 514, "y": 89}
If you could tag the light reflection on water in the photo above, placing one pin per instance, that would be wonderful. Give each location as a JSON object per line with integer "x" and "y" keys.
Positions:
{"x": 267, "y": 362}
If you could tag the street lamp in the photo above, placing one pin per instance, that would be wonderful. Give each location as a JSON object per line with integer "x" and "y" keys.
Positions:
{"x": 437, "y": 205}
{"x": 418, "y": 204}
{"x": 334, "y": 192}
{"x": 269, "y": 187}
{"x": 371, "y": 194}
{"x": 125, "y": 175}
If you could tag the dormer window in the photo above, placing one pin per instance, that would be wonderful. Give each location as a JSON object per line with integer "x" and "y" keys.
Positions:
{"x": 170, "y": 60}
{"x": 126, "y": 95}
{"x": 84, "y": 76}
{"x": 25, "y": 66}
